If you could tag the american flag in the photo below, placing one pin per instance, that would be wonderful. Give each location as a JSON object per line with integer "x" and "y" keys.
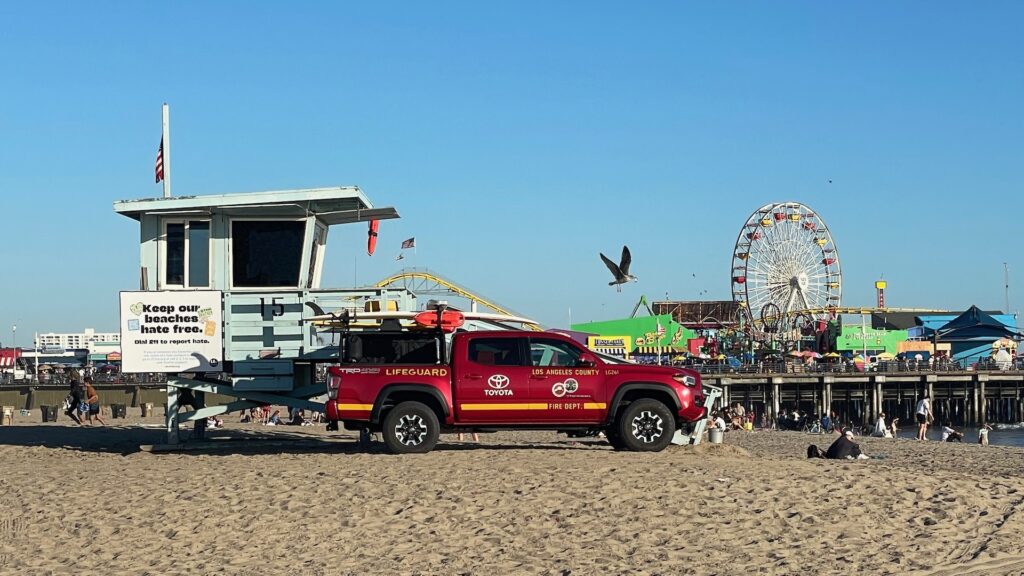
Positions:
{"x": 410, "y": 243}
{"x": 661, "y": 329}
{"x": 160, "y": 162}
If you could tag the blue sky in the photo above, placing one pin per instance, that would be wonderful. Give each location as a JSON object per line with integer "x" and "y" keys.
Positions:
{"x": 519, "y": 140}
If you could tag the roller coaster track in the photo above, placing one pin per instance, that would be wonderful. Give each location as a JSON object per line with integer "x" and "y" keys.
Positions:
{"x": 425, "y": 281}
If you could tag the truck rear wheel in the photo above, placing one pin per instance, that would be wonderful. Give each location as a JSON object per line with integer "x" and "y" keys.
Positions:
{"x": 646, "y": 425}
{"x": 411, "y": 428}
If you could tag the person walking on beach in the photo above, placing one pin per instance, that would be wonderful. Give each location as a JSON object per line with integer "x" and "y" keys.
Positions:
{"x": 983, "y": 433}
{"x": 881, "y": 430}
{"x": 93, "y": 400}
{"x": 74, "y": 401}
{"x": 923, "y": 413}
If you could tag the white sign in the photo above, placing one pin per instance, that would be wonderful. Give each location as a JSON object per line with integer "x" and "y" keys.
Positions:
{"x": 171, "y": 331}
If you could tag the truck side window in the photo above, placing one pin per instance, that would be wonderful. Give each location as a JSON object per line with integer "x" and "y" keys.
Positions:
{"x": 553, "y": 353}
{"x": 495, "y": 351}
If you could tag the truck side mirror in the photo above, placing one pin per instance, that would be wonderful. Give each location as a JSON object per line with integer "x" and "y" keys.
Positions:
{"x": 588, "y": 360}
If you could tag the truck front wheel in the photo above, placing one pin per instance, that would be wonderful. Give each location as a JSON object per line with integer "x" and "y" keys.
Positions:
{"x": 646, "y": 425}
{"x": 411, "y": 428}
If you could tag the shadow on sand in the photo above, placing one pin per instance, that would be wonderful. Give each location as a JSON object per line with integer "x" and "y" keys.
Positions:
{"x": 125, "y": 440}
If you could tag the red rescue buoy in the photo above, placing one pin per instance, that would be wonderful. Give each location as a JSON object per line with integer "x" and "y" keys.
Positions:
{"x": 450, "y": 319}
{"x": 371, "y": 241}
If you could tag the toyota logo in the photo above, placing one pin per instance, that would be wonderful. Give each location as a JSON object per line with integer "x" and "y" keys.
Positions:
{"x": 498, "y": 381}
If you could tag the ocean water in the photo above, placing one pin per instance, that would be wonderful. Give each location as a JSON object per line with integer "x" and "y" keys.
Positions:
{"x": 1000, "y": 435}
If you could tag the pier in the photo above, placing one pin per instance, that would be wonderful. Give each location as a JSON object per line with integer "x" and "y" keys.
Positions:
{"x": 964, "y": 398}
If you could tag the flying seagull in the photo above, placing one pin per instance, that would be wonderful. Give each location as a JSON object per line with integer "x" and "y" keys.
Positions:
{"x": 620, "y": 270}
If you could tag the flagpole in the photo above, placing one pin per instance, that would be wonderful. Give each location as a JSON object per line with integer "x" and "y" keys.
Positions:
{"x": 167, "y": 150}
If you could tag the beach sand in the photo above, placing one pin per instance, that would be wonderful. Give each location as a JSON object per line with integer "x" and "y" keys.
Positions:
{"x": 89, "y": 501}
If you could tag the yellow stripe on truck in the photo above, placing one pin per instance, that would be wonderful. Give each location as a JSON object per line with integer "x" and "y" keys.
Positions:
{"x": 504, "y": 406}
{"x": 355, "y": 407}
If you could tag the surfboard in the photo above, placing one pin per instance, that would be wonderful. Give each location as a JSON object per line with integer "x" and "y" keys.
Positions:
{"x": 348, "y": 316}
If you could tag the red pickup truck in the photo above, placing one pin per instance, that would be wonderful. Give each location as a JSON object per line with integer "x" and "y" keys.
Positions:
{"x": 404, "y": 386}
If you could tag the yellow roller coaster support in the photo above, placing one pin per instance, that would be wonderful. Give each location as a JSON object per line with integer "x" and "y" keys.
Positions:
{"x": 419, "y": 274}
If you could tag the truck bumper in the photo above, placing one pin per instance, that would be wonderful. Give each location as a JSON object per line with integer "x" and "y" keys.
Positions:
{"x": 347, "y": 410}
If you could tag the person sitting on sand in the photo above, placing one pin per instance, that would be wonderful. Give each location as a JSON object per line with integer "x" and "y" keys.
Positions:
{"x": 275, "y": 419}
{"x": 881, "y": 430}
{"x": 719, "y": 422}
{"x": 844, "y": 448}
{"x": 951, "y": 435}
{"x": 983, "y": 433}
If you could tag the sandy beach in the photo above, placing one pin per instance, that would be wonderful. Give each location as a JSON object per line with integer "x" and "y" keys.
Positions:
{"x": 309, "y": 503}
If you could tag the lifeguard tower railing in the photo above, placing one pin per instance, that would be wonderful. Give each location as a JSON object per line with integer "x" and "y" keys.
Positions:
{"x": 264, "y": 254}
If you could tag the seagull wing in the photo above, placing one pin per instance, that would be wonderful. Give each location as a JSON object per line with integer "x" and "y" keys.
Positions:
{"x": 627, "y": 258}
{"x": 612, "y": 266}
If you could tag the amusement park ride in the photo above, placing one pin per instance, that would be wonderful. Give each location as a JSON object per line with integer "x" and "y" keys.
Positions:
{"x": 785, "y": 269}
{"x": 786, "y": 276}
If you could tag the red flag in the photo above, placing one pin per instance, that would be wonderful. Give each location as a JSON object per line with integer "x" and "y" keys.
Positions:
{"x": 160, "y": 162}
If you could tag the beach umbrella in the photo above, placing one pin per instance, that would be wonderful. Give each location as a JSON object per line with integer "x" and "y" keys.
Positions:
{"x": 885, "y": 356}
{"x": 813, "y": 354}
{"x": 795, "y": 353}
{"x": 831, "y": 355}
{"x": 858, "y": 363}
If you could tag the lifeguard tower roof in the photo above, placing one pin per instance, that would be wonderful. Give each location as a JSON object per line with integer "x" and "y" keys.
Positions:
{"x": 337, "y": 205}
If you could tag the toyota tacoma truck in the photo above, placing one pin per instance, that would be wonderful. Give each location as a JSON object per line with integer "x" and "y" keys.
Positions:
{"x": 410, "y": 387}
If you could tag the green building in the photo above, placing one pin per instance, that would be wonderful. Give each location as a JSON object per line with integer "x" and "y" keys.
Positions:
{"x": 643, "y": 333}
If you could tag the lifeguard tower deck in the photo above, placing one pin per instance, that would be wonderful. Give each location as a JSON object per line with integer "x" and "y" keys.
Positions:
{"x": 262, "y": 255}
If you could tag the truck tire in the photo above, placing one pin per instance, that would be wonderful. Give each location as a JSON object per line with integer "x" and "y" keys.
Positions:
{"x": 646, "y": 425}
{"x": 613, "y": 438}
{"x": 411, "y": 428}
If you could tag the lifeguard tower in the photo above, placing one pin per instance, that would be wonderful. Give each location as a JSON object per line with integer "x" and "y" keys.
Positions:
{"x": 259, "y": 256}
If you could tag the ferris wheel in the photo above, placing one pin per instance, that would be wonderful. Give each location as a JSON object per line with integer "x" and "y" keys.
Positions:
{"x": 785, "y": 268}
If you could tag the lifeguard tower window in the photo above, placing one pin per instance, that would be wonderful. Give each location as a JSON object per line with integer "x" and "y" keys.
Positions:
{"x": 187, "y": 254}
{"x": 266, "y": 253}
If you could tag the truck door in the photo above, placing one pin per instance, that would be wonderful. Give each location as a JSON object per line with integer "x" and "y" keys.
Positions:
{"x": 492, "y": 384}
{"x": 570, "y": 392}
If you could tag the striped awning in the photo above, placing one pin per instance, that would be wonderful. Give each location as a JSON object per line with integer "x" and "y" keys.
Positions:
{"x": 8, "y": 357}
{"x": 611, "y": 351}
{"x": 655, "y": 350}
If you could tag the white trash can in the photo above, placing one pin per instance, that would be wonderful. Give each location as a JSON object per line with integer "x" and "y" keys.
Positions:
{"x": 715, "y": 436}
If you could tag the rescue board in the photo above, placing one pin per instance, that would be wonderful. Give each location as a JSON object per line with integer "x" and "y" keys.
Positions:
{"x": 371, "y": 241}
{"x": 450, "y": 319}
